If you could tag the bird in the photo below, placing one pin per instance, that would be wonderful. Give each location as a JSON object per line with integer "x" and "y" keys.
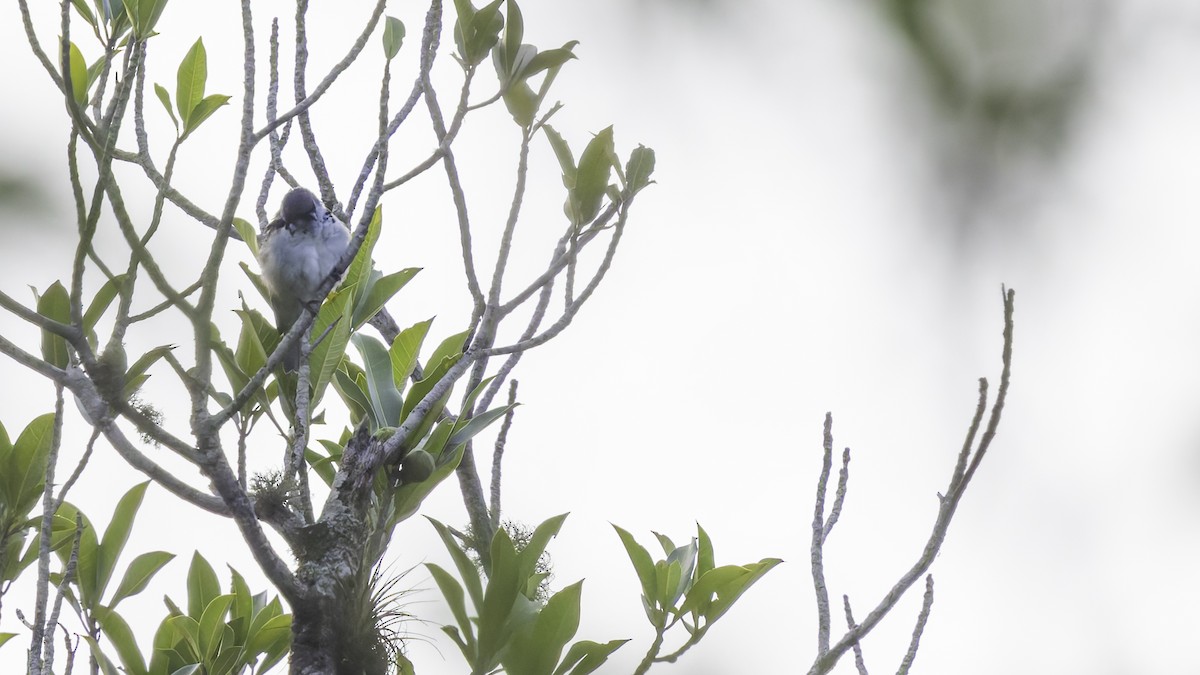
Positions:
{"x": 296, "y": 252}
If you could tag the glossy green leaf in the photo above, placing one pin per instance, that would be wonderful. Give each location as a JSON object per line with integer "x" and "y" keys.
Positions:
{"x": 105, "y": 664}
{"x": 556, "y": 625}
{"x": 24, "y": 472}
{"x": 643, "y": 565}
{"x": 380, "y": 292}
{"x": 542, "y": 534}
{"x": 727, "y": 583}
{"x": 360, "y": 268}
{"x": 452, "y": 591}
{"x": 586, "y": 656}
{"x": 377, "y": 365}
{"x": 202, "y": 586}
{"x": 352, "y": 387}
{"x": 117, "y": 534}
{"x": 705, "y": 560}
{"x": 251, "y": 354}
{"x": 139, "y": 367}
{"x": 101, "y": 302}
{"x": 55, "y": 304}
{"x": 514, "y": 32}
{"x": 478, "y": 423}
{"x": 190, "y": 80}
{"x": 591, "y": 181}
{"x": 248, "y": 234}
{"x": 85, "y": 12}
{"x": 203, "y": 110}
{"x": 551, "y": 58}
{"x": 521, "y": 103}
{"x": 566, "y": 160}
{"x": 503, "y": 587}
{"x": 139, "y": 573}
{"x": 393, "y": 37}
{"x": 328, "y": 354}
{"x": 639, "y": 168}
{"x": 117, "y": 632}
{"x": 466, "y": 568}
{"x": 143, "y": 15}
{"x": 5, "y": 637}
{"x": 405, "y": 350}
{"x": 79, "y": 78}
{"x": 212, "y": 625}
{"x": 665, "y": 542}
{"x": 321, "y": 464}
{"x": 165, "y": 98}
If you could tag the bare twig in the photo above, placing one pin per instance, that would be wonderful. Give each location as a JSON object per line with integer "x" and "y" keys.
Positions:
{"x": 816, "y": 551}
{"x": 922, "y": 618}
{"x": 964, "y": 469}
{"x": 859, "y": 663}
{"x": 498, "y": 454}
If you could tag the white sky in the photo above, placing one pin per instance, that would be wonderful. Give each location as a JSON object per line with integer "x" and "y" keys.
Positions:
{"x": 794, "y": 258}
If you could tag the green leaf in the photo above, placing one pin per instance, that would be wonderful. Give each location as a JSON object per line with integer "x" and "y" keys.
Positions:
{"x": 385, "y": 398}
{"x": 466, "y": 568}
{"x": 24, "y": 473}
{"x": 101, "y": 302}
{"x": 551, "y": 58}
{"x": 643, "y": 565}
{"x": 79, "y": 77}
{"x": 514, "y": 32}
{"x": 588, "y": 655}
{"x": 136, "y": 375}
{"x": 105, "y": 664}
{"x": 405, "y": 350}
{"x": 562, "y": 151}
{"x": 190, "y": 79}
{"x": 251, "y": 353}
{"x": 705, "y": 559}
{"x": 380, "y": 292}
{"x": 247, "y": 232}
{"x": 639, "y": 168}
{"x": 359, "y": 271}
{"x": 117, "y": 631}
{"x": 143, "y": 15}
{"x": 86, "y": 13}
{"x": 55, "y": 304}
{"x": 352, "y": 387}
{"x": 139, "y": 573}
{"x": 202, "y": 586}
{"x": 5, "y": 637}
{"x": 478, "y": 423}
{"x": 328, "y": 354}
{"x": 556, "y": 625}
{"x": 727, "y": 582}
{"x": 528, "y": 557}
{"x": 521, "y": 102}
{"x": 393, "y": 37}
{"x": 203, "y": 110}
{"x": 212, "y": 625}
{"x": 453, "y": 592}
{"x": 163, "y": 96}
{"x": 595, "y": 167}
{"x": 117, "y": 534}
{"x": 504, "y": 585}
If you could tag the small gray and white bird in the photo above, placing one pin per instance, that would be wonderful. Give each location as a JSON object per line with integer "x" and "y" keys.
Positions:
{"x": 297, "y": 251}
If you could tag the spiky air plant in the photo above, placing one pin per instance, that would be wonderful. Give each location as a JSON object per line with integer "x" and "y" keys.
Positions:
{"x": 372, "y": 635}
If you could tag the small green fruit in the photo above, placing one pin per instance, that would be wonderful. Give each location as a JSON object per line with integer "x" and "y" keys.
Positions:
{"x": 418, "y": 466}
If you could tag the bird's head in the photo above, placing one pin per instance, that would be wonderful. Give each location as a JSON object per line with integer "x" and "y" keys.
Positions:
{"x": 299, "y": 205}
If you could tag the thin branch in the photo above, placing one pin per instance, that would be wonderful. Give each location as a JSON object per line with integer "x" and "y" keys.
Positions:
{"x": 859, "y": 663}
{"x": 839, "y": 496}
{"x": 922, "y": 618}
{"x": 340, "y": 67}
{"x": 498, "y": 454}
{"x": 816, "y": 551}
{"x": 948, "y": 505}
{"x": 37, "y": 663}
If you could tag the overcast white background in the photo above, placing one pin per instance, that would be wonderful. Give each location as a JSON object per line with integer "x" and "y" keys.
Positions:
{"x": 809, "y": 247}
